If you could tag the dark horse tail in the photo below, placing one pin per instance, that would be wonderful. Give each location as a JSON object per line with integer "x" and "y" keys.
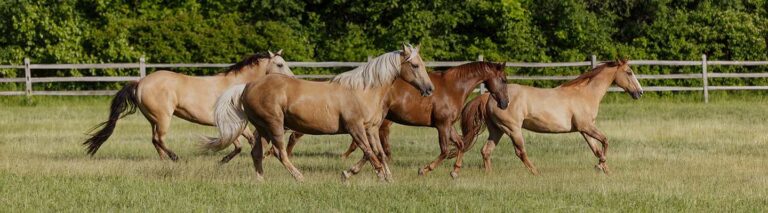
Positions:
{"x": 123, "y": 104}
{"x": 473, "y": 121}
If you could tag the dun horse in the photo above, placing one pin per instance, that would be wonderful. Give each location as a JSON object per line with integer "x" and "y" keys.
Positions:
{"x": 164, "y": 94}
{"x": 441, "y": 110}
{"x": 352, "y": 102}
{"x": 571, "y": 107}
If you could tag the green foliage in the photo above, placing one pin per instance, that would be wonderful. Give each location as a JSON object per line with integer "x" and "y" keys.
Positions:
{"x": 185, "y": 31}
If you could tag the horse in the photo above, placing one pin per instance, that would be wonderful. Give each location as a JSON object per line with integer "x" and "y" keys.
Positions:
{"x": 351, "y": 103}
{"x": 570, "y": 107}
{"x": 163, "y": 94}
{"x": 441, "y": 110}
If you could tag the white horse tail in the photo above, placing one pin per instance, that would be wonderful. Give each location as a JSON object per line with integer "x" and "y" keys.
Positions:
{"x": 229, "y": 117}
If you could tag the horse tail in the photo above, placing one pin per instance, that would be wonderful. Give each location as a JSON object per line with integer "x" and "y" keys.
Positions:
{"x": 473, "y": 121}
{"x": 124, "y": 103}
{"x": 230, "y": 119}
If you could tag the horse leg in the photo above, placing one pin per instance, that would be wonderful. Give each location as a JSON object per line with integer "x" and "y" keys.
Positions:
{"x": 494, "y": 136}
{"x": 384, "y": 138}
{"x": 443, "y": 135}
{"x": 159, "y": 130}
{"x": 358, "y": 136}
{"x": 595, "y": 135}
{"x": 235, "y": 152}
{"x": 459, "y": 155}
{"x": 373, "y": 138}
{"x": 292, "y": 141}
{"x": 350, "y": 149}
{"x": 519, "y": 141}
{"x": 276, "y": 137}
{"x": 257, "y": 154}
{"x": 160, "y": 151}
{"x": 247, "y": 133}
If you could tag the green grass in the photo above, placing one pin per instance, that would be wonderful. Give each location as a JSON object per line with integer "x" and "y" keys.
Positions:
{"x": 667, "y": 154}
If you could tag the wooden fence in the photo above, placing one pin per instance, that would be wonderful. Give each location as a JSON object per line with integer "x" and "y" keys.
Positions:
{"x": 142, "y": 66}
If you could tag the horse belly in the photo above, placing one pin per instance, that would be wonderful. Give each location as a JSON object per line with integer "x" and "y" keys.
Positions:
{"x": 317, "y": 120}
{"x": 548, "y": 123}
{"x": 410, "y": 119}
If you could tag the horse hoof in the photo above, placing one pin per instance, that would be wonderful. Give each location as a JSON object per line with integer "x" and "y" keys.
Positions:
{"x": 224, "y": 161}
{"x": 345, "y": 176}
{"x": 601, "y": 169}
{"x": 455, "y": 175}
{"x": 174, "y": 158}
{"x": 422, "y": 172}
{"x": 259, "y": 178}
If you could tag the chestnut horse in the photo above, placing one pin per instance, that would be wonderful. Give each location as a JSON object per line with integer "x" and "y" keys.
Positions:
{"x": 163, "y": 94}
{"x": 571, "y": 107}
{"x": 352, "y": 102}
{"x": 441, "y": 110}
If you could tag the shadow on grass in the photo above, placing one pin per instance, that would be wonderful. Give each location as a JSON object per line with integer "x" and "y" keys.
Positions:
{"x": 84, "y": 156}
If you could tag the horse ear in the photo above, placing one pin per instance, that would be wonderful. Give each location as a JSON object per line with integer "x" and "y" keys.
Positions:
{"x": 502, "y": 65}
{"x": 280, "y": 52}
{"x": 271, "y": 55}
{"x": 406, "y": 50}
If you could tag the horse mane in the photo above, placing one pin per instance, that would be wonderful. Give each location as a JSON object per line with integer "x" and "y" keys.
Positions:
{"x": 247, "y": 60}
{"x": 589, "y": 75}
{"x": 377, "y": 72}
{"x": 470, "y": 70}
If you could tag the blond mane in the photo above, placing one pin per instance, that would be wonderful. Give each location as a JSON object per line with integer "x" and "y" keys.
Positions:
{"x": 381, "y": 70}
{"x": 586, "y": 77}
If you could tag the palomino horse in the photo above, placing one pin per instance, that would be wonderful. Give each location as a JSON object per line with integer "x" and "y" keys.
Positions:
{"x": 163, "y": 94}
{"x": 571, "y": 107}
{"x": 441, "y": 110}
{"x": 352, "y": 102}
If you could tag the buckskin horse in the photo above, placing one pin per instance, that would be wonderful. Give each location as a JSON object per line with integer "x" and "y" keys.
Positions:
{"x": 163, "y": 94}
{"x": 571, "y": 107}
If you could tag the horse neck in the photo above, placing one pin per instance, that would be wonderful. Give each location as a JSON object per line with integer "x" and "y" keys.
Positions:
{"x": 245, "y": 74}
{"x": 599, "y": 84}
{"x": 463, "y": 81}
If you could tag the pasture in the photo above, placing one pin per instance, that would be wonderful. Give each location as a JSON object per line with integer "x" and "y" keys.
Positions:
{"x": 666, "y": 154}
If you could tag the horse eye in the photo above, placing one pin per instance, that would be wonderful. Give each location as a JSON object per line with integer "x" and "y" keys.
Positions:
{"x": 280, "y": 65}
{"x": 415, "y": 66}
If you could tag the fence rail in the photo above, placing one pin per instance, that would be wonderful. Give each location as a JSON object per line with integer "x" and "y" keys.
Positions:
{"x": 142, "y": 66}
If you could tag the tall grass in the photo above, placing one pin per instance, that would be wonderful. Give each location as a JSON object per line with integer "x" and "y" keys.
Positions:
{"x": 667, "y": 154}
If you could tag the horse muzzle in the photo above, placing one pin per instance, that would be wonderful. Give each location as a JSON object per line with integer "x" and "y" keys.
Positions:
{"x": 426, "y": 92}
{"x": 503, "y": 104}
{"x": 636, "y": 95}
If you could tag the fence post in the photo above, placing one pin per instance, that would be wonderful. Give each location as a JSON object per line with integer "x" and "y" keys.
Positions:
{"x": 28, "y": 77}
{"x": 705, "y": 77}
{"x": 142, "y": 67}
{"x": 594, "y": 61}
{"x": 482, "y": 86}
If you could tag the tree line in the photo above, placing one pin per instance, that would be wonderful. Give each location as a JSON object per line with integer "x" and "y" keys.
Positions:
{"x": 223, "y": 31}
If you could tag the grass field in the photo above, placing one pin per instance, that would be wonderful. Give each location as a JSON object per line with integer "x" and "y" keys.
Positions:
{"x": 666, "y": 155}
